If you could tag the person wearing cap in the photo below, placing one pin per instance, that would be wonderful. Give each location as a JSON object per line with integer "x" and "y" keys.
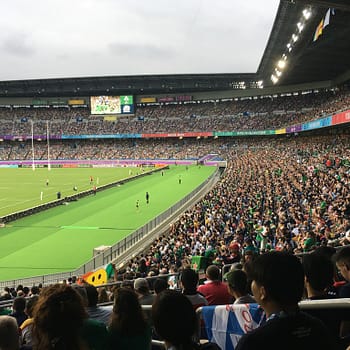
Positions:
{"x": 237, "y": 286}
{"x": 141, "y": 288}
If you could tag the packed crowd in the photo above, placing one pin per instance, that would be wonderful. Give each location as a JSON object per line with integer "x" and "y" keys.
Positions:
{"x": 282, "y": 195}
{"x": 246, "y": 114}
{"x": 277, "y": 195}
{"x": 71, "y": 316}
{"x": 287, "y": 195}
{"x": 111, "y": 149}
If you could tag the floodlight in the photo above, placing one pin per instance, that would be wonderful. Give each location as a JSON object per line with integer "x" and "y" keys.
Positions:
{"x": 295, "y": 37}
{"x": 278, "y": 73}
{"x": 274, "y": 79}
{"x": 281, "y": 64}
{"x": 300, "y": 27}
{"x": 306, "y": 13}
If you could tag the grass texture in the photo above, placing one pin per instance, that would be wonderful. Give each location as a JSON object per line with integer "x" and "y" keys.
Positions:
{"x": 62, "y": 238}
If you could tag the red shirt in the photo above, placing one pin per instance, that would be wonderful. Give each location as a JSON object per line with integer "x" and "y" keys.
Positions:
{"x": 215, "y": 292}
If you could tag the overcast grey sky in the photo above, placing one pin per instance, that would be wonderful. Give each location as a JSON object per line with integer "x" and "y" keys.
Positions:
{"x": 75, "y": 38}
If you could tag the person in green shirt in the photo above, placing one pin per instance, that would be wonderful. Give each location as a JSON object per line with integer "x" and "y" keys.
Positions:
{"x": 309, "y": 242}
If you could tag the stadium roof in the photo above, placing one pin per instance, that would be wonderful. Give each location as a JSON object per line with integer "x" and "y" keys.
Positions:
{"x": 307, "y": 61}
{"x": 311, "y": 58}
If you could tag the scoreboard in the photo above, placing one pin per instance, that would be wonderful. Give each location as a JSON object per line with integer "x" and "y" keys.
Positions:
{"x": 112, "y": 104}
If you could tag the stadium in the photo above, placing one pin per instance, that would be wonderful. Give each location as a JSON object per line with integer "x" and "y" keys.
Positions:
{"x": 107, "y": 179}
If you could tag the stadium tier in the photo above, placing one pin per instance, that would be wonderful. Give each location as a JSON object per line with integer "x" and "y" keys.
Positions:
{"x": 220, "y": 203}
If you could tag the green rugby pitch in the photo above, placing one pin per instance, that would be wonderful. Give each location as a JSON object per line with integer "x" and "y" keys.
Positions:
{"x": 62, "y": 238}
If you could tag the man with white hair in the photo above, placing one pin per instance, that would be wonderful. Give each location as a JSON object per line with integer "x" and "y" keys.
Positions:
{"x": 9, "y": 333}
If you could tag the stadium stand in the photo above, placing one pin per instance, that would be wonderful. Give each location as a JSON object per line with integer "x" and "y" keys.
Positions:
{"x": 287, "y": 193}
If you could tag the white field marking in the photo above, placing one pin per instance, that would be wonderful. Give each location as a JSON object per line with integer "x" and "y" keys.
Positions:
{"x": 17, "y": 202}
{"x": 47, "y": 193}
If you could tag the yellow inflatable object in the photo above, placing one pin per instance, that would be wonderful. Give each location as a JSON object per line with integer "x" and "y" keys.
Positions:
{"x": 96, "y": 278}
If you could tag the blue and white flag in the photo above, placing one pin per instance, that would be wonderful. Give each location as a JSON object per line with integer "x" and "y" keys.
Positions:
{"x": 225, "y": 324}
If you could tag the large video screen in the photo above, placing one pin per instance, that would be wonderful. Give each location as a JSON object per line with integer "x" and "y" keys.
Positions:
{"x": 112, "y": 104}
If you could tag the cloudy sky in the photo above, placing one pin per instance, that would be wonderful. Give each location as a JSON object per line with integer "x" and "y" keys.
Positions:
{"x": 76, "y": 38}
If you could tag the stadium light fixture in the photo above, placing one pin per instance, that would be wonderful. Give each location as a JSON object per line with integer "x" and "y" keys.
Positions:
{"x": 274, "y": 79}
{"x": 306, "y": 13}
{"x": 278, "y": 72}
{"x": 300, "y": 27}
{"x": 281, "y": 64}
{"x": 295, "y": 38}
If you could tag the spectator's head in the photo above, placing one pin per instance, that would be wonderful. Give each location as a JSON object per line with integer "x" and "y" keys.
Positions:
{"x": 237, "y": 282}
{"x": 92, "y": 294}
{"x": 30, "y": 303}
{"x": 141, "y": 286}
{"x": 278, "y": 281}
{"x": 342, "y": 261}
{"x": 174, "y": 319}
{"x": 326, "y": 251}
{"x": 82, "y": 293}
{"x": 127, "y": 316}
{"x": 159, "y": 285}
{"x": 213, "y": 273}
{"x": 319, "y": 273}
{"x": 35, "y": 290}
{"x": 58, "y": 317}
{"x": 189, "y": 281}
{"x": 102, "y": 295}
{"x": 9, "y": 334}
{"x": 19, "y": 304}
{"x": 26, "y": 291}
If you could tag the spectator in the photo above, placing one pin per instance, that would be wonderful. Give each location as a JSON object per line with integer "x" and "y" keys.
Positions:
{"x": 128, "y": 328}
{"x": 18, "y": 306}
{"x": 189, "y": 282}
{"x": 27, "y": 325}
{"x": 179, "y": 330}
{"x": 60, "y": 322}
{"x": 278, "y": 284}
{"x": 141, "y": 288}
{"x": 159, "y": 285}
{"x": 238, "y": 287}
{"x": 213, "y": 289}
{"x": 319, "y": 274}
{"x": 96, "y": 312}
{"x": 9, "y": 335}
{"x": 342, "y": 261}
{"x": 103, "y": 295}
